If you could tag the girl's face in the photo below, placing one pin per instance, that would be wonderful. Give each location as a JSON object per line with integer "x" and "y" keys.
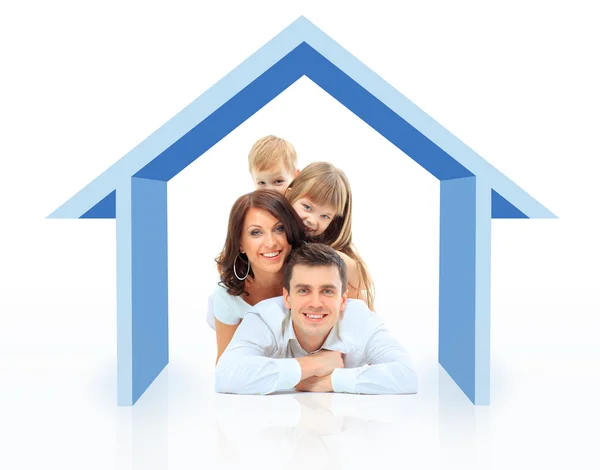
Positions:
{"x": 264, "y": 241}
{"x": 316, "y": 217}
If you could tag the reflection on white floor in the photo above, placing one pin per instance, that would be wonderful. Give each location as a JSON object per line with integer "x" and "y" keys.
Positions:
{"x": 298, "y": 430}
{"x": 143, "y": 431}
{"x": 60, "y": 411}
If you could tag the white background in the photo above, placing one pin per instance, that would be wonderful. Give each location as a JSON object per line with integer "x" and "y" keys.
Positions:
{"x": 81, "y": 85}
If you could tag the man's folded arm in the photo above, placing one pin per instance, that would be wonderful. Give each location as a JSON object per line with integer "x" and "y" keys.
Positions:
{"x": 387, "y": 369}
{"x": 244, "y": 366}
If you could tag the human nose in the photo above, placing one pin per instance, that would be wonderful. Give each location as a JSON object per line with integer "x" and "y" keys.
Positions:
{"x": 315, "y": 299}
{"x": 269, "y": 239}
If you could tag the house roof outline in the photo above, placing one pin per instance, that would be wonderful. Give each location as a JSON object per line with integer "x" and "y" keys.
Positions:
{"x": 133, "y": 190}
{"x": 97, "y": 199}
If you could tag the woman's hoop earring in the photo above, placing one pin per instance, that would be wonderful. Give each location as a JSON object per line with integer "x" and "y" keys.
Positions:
{"x": 235, "y": 272}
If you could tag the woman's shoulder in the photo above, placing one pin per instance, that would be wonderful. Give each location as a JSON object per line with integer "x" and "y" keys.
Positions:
{"x": 228, "y": 309}
{"x": 220, "y": 292}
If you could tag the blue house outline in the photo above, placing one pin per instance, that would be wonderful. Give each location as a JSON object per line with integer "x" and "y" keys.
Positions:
{"x": 134, "y": 191}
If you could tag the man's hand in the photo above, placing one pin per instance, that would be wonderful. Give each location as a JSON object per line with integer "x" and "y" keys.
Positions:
{"x": 315, "y": 384}
{"x": 326, "y": 361}
{"x": 320, "y": 364}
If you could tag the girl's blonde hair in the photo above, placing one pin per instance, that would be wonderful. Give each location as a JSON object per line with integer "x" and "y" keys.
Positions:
{"x": 324, "y": 184}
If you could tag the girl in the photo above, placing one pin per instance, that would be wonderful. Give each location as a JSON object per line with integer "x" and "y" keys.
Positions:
{"x": 322, "y": 198}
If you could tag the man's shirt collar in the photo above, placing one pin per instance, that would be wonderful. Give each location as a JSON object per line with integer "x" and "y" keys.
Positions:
{"x": 333, "y": 342}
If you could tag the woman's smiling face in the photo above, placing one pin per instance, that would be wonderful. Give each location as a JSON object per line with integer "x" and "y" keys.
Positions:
{"x": 264, "y": 241}
{"x": 316, "y": 217}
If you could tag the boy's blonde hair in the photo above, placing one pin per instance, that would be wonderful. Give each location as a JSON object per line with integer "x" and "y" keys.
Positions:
{"x": 270, "y": 152}
{"x": 324, "y": 184}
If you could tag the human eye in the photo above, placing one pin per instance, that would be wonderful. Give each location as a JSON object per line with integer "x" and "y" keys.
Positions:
{"x": 279, "y": 229}
{"x": 325, "y": 216}
{"x": 328, "y": 291}
{"x": 255, "y": 232}
{"x": 278, "y": 182}
{"x": 302, "y": 290}
{"x": 260, "y": 183}
{"x": 306, "y": 206}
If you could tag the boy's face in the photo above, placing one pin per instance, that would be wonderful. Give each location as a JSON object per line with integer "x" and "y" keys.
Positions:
{"x": 277, "y": 179}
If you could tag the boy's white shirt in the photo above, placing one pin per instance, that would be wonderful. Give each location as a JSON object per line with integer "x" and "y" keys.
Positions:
{"x": 260, "y": 358}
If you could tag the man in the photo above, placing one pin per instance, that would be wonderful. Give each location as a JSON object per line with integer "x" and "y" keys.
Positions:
{"x": 313, "y": 339}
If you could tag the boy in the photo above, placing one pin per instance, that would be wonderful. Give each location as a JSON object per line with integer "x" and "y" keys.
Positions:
{"x": 272, "y": 162}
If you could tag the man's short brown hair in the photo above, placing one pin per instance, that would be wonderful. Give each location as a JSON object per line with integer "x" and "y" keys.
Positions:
{"x": 315, "y": 254}
{"x": 270, "y": 152}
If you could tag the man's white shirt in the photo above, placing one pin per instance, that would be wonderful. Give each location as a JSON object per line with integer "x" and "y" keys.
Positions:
{"x": 260, "y": 358}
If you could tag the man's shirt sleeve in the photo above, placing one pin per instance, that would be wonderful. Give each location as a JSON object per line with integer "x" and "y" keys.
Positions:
{"x": 245, "y": 367}
{"x": 385, "y": 368}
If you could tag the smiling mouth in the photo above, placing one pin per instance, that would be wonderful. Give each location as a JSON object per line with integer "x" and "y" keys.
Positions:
{"x": 309, "y": 230}
{"x": 315, "y": 317}
{"x": 272, "y": 255}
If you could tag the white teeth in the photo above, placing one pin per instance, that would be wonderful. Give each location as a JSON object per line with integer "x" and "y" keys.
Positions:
{"x": 314, "y": 316}
{"x": 271, "y": 255}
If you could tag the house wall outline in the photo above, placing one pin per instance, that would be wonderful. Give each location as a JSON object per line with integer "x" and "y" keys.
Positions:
{"x": 134, "y": 191}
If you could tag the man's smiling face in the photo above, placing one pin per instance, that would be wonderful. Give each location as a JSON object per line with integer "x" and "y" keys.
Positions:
{"x": 315, "y": 299}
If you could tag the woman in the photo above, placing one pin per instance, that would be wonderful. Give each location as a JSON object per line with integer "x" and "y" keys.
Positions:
{"x": 263, "y": 229}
